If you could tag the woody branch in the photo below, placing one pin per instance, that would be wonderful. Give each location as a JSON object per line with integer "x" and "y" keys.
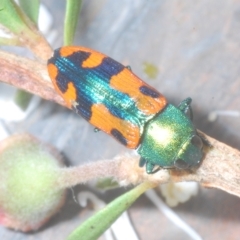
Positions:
{"x": 220, "y": 168}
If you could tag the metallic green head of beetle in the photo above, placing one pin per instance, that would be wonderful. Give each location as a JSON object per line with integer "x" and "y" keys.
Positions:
{"x": 170, "y": 140}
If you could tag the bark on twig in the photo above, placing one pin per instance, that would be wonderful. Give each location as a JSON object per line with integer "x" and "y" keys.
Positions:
{"x": 219, "y": 169}
{"x": 29, "y": 75}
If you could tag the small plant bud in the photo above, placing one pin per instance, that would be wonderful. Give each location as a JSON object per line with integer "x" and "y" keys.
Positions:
{"x": 29, "y": 194}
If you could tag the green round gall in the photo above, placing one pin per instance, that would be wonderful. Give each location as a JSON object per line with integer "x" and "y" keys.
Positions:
{"x": 29, "y": 194}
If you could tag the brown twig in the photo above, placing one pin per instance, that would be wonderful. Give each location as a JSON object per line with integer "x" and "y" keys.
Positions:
{"x": 220, "y": 168}
{"x": 29, "y": 75}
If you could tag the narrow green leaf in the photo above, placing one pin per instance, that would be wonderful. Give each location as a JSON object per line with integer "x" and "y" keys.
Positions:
{"x": 71, "y": 18}
{"x": 96, "y": 225}
{"x": 22, "y": 99}
{"x": 31, "y": 9}
{"x": 10, "y": 41}
{"x": 107, "y": 183}
{"x": 11, "y": 17}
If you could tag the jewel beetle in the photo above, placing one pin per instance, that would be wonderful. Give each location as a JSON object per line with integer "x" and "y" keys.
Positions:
{"x": 113, "y": 99}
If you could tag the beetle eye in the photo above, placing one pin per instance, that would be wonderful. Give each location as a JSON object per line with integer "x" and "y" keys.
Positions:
{"x": 197, "y": 141}
{"x": 179, "y": 163}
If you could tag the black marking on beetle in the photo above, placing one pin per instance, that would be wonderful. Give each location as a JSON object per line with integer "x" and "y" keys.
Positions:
{"x": 84, "y": 109}
{"x": 78, "y": 58}
{"x": 110, "y": 67}
{"x": 149, "y": 92}
{"x": 118, "y": 135}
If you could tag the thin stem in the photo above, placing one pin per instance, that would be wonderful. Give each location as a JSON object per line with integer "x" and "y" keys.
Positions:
{"x": 71, "y": 176}
{"x": 13, "y": 41}
{"x": 28, "y": 75}
{"x": 220, "y": 169}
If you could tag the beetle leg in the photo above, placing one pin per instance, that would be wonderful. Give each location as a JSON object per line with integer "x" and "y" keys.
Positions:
{"x": 142, "y": 162}
{"x": 96, "y": 130}
{"x": 204, "y": 139}
{"x": 129, "y": 67}
{"x": 150, "y": 167}
{"x": 185, "y": 106}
